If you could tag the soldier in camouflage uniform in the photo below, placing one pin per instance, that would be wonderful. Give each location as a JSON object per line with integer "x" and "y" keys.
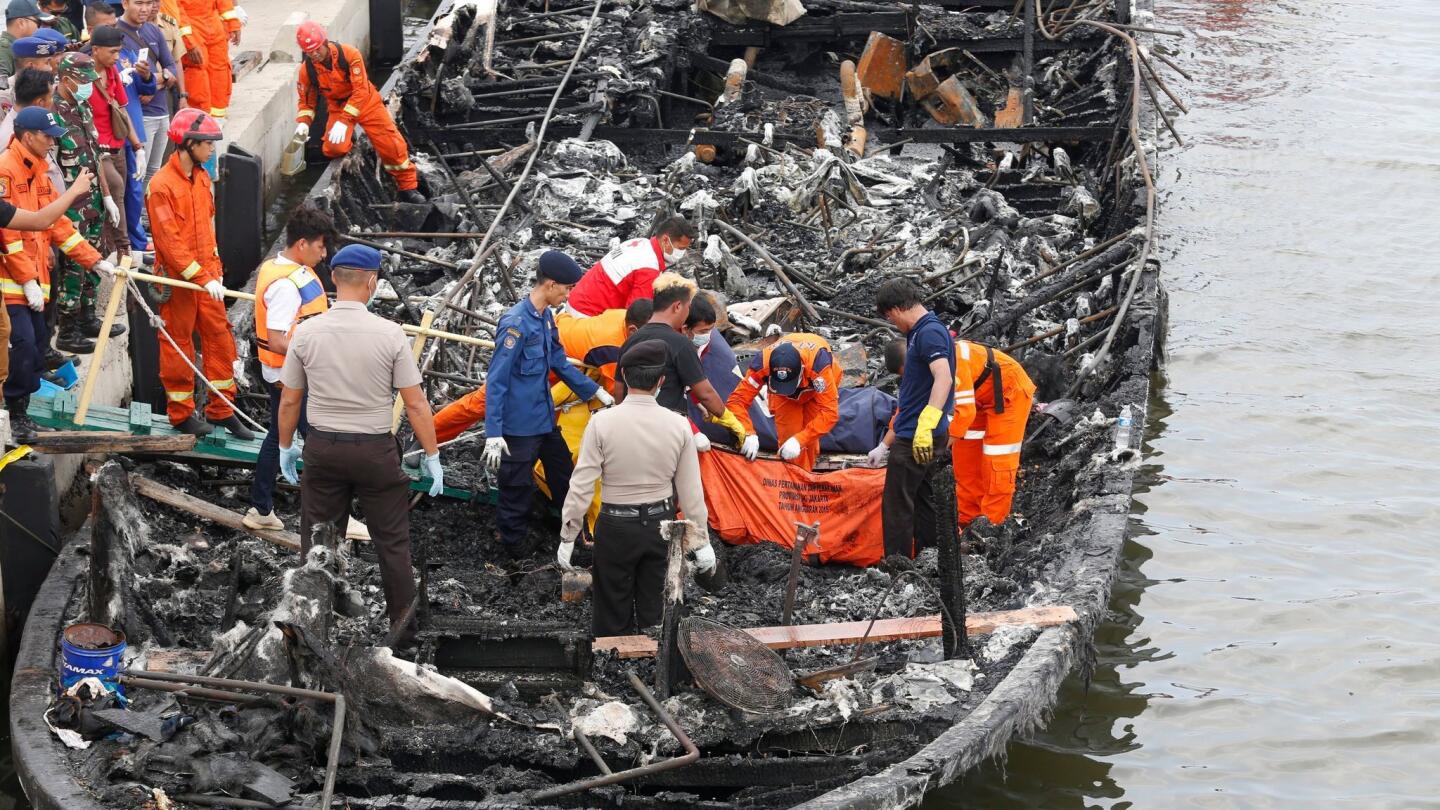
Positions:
{"x": 78, "y": 149}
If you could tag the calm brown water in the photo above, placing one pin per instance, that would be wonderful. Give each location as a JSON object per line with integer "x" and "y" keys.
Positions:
{"x": 1273, "y": 639}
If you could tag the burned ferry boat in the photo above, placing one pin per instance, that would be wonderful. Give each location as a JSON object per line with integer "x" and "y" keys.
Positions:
{"x": 996, "y": 151}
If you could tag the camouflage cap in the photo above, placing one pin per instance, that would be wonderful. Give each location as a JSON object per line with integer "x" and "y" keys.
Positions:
{"x": 78, "y": 66}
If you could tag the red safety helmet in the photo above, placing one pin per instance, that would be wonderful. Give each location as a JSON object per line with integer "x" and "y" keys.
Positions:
{"x": 310, "y": 35}
{"x": 191, "y": 124}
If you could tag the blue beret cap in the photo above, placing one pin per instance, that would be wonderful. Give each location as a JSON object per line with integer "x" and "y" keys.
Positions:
{"x": 52, "y": 35}
{"x": 557, "y": 266}
{"x": 29, "y": 47}
{"x": 357, "y": 256}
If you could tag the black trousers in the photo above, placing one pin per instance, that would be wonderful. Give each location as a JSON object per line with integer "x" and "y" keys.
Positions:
{"x": 337, "y": 471}
{"x": 516, "y": 481}
{"x": 629, "y": 574}
{"x": 907, "y": 509}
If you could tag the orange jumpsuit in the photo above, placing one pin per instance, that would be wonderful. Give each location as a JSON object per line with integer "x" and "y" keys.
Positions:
{"x": 351, "y": 98}
{"x": 182, "y": 223}
{"x": 208, "y": 25}
{"x": 27, "y": 255}
{"x": 593, "y": 341}
{"x": 808, "y": 415}
{"x": 987, "y": 429}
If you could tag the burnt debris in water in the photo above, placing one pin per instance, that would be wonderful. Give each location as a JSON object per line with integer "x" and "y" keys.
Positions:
{"x": 853, "y": 144}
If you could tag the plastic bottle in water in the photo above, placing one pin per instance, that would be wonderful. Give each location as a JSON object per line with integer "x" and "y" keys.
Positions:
{"x": 1122, "y": 434}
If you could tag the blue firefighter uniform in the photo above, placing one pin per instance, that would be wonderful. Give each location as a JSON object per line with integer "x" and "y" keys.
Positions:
{"x": 518, "y": 407}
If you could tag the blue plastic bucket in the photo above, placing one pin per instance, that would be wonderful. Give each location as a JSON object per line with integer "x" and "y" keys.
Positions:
{"x": 91, "y": 651}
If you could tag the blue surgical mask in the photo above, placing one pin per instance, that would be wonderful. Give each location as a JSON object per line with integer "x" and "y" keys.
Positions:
{"x": 701, "y": 340}
{"x": 82, "y": 92}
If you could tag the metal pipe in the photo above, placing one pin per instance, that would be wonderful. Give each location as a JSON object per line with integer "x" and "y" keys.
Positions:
{"x": 539, "y": 38}
{"x": 691, "y": 752}
{"x": 805, "y": 305}
{"x": 399, "y": 251}
{"x": 421, "y": 235}
{"x": 198, "y": 692}
{"x": 590, "y": 749}
{"x": 840, "y": 313}
{"x": 220, "y": 801}
{"x": 1049, "y": 333}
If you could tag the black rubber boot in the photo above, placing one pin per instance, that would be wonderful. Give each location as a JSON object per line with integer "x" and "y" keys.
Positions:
{"x": 54, "y": 359}
{"x": 194, "y": 425}
{"x": 412, "y": 196}
{"x": 72, "y": 337}
{"x": 90, "y": 325}
{"x": 22, "y": 427}
{"x": 236, "y": 427}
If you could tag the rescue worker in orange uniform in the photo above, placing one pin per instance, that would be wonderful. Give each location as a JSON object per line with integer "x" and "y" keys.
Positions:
{"x": 209, "y": 28}
{"x": 335, "y": 73}
{"x": 993, "y": 395}
{"x": 25, "y": 266}
{"x": 804, "y": 382}
{"x": 595, "y": 342}
{"x": 182, "y": 220}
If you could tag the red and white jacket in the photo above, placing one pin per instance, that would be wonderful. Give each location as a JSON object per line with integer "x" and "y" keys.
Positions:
{"x": 625, "y": 274}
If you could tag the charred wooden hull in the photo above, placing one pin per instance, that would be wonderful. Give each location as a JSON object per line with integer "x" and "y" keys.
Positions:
{"x": 1077, "y": 503}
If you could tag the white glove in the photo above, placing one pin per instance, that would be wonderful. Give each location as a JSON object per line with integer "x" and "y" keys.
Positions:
{"x": 113, "y": 210}
{"x": 104, "y": 268}
{"x": 243, "y": 16}
{"x": 494, "y": 449}
{"x": 790, "y": 449}
{"x": 139, "y": 164}
{"x": 704, "y": 559}
{"x": 216, "y": 289}
{"x": 562, "y": 554}
{"x": 128, "y": 76}
{"x": 33, "y": 296}
{"x": 289, "y": 457}
{"x": 818, "y": 385}
{"x": 603, "y": 397}
{"x": 702, "y": 443}
{"x": 302, "y": 131}
{"x": 436, "y": 473}
{"x": 337, "y": 132}
{"x": 880, "y": 455}
{"x": 750, "y": 448}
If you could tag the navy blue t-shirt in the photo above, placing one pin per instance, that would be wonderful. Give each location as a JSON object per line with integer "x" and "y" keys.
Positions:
{"x": 928, "y": 340}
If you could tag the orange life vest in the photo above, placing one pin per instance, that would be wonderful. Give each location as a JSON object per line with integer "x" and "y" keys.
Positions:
{"x": 312, "y": 303}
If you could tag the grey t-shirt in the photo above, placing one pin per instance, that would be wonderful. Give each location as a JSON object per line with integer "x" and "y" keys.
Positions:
{"x": 351, "y": 363}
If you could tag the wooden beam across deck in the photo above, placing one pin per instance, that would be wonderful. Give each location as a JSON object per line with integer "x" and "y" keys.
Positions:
{"x": 821, "y": 635}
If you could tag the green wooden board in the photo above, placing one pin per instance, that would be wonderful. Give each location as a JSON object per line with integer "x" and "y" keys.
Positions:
{"x": 58, "y": 412}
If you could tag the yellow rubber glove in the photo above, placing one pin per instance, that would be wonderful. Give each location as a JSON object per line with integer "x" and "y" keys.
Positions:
{"x": 728, "y": 421}
{"x": 923, "y": 448}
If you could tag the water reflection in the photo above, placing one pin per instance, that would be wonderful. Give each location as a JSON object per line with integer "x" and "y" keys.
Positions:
{"x": 1067, "y": 765}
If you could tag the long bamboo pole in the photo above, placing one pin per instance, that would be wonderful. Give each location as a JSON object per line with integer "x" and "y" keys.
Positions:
{"x": 417, "y": 350}
{"x": 244, "y": 296}
{"x": 102, "y": 341}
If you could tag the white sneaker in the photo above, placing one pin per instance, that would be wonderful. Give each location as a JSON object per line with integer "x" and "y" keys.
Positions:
{"x": 255, "y": 520}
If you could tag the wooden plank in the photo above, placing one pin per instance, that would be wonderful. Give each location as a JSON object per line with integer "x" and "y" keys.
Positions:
{"x": 104, "y": 441}
{"x": 156, "y": 491}
{"x": 820, "y": 635}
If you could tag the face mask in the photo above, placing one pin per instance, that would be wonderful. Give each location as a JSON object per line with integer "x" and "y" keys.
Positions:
{"x": 674, "y": 254}
{"x": 82, "y": 93}
{"x": 701, "y": 340}
{"x": 373, "y": 291}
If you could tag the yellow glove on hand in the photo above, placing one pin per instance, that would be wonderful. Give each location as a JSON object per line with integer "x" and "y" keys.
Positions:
{"x": 923, "y": 448}
{"x": 728, "y": 421}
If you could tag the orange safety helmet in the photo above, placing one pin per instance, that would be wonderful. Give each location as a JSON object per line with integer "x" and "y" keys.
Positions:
{"x": 191, "y": 124}
{"x": 310, "y": 35}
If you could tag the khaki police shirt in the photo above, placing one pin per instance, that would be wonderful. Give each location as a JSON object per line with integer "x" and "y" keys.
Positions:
{"x": 350, "y": 362}
{"x": 640, "y": 452}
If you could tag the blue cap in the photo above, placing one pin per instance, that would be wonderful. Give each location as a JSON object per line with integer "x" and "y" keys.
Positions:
{"x": 30, "y": 47}
{"x": 38, "y": 119}
{"x": 786, "y": 370}
{"x": 52, "y": 35}
{"x": 17, "y": 9}
{"x": 559, "y": 267}
{"x": 360, "y": 257}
